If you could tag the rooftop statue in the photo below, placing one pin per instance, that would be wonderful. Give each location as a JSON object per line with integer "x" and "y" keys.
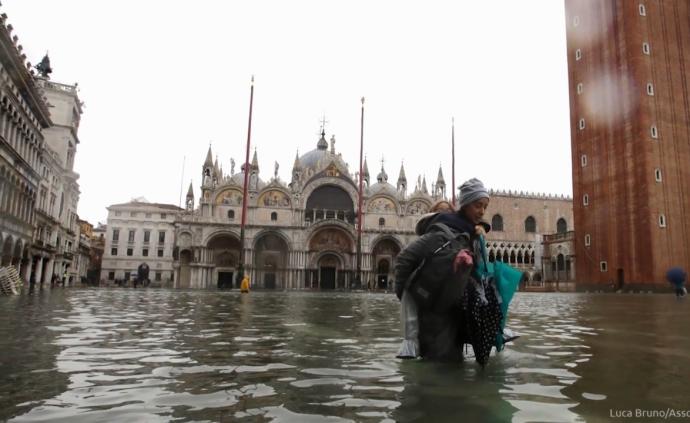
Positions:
{"x": 44, "y": 68}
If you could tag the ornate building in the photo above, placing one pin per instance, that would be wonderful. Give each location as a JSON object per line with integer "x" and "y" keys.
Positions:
{"x": 39, "y": 190}
{"x": 24, "y": 116}
{"x": 628, "y": 67}
{"x": 302, "y": 234}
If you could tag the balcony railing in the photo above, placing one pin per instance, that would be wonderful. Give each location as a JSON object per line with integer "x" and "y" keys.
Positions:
{"x": 315, "y": 215}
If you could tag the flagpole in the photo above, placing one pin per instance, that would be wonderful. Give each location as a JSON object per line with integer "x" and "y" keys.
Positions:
{"x": 358, "y": 280}
{"x": 453, "y": 159}
{"x": 240, "y": 267}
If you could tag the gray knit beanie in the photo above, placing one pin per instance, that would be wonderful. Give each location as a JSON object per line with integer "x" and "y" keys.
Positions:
{"x": 471, "y": 191}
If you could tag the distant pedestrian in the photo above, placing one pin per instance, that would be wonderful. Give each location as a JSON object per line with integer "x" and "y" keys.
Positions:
{"x": 676, "y": 276}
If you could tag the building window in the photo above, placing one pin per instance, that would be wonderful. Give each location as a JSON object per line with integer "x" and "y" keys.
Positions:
{"x": 147, "y": 236}
{"x": 588, "y": 240}
{"x": 145, "y": 252}
{"x": 583, "y": 160}
{"x": 645, "y": 48}
{"x": 581, "y": 123}
{"x": 497, "y": 223}
{"x": 148, "y": 215}
{"x": 530, "y": 224}
{"x": 580, "y": 88}
{"x": 117, "y": 213}
{"x": 576, "y": 21}
{"x": 130, "y": 238}
{"x": 231, "y": 214}
{"x": 158, "y": 276}
{"x": 561, "y": 226}
{"x": 133, "y": 214}
{"x": 578, "y": 54}
{"x": 274, "y": 216}
{"x": 160, "y": 252}
{"x": 113, "y": 251}
{"x": 662, "y": 221}
{"x": 127, "y": 276}
{"x": 161, "y": 237}
{"x": 653, "y": 131}
{"x": 164, "y": 216}
{"x": 603, "y": 266}
{"x": 111, "y": 276}
{"x": 657, "y": 174}
{"x": 382, "y": 221}
{"x": 643, "y": 10}
{"x": 116, "y": 235}
{"x": 130, "y": 251}
{"x": 585, "y": 200}
{"x": 650, "y": 89}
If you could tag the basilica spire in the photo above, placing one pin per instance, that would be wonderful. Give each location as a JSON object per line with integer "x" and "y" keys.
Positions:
{"x": 440, "y": 186}
{"x": 209, "y": 158}
{"x": 382, "y": 177}
{"x": 366, "y": 171}
{"x": 402, "y": 180}
{"x": 322, "y": 144}
{"x": 208, "y": 172}
{"x": 297, "y": 165}
{"x": 190, "y": 191}
{"x": 190, "y": 197}
{"x": 255, "y": 162}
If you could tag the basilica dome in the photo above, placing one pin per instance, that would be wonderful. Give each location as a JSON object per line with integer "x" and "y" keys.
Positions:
{"x": 316, "y": 160}
{"x": 382, "y": 186}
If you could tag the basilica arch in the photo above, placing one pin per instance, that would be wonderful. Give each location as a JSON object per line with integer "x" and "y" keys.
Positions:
{"x": 330, "y": 201}
{"x": 384, "y": 255}
{"x": 223, "y": 252}
{"x": 271, "y": 252}
{"x": 331, "y": 251}
{"x": 184, "y": 242}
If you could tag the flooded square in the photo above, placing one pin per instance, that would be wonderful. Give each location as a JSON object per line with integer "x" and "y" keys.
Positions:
{"x": 158, "y": 355}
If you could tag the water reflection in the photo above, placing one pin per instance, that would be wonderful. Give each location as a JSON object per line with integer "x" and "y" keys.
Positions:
{"x": 153, "y": 355}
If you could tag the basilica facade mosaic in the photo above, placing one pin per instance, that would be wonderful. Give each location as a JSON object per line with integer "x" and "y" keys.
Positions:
{"x": 301, "y": 234}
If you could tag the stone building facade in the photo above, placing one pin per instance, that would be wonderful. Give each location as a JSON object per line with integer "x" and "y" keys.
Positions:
{"x": 39, "y": 190}
{"x": 57, "y": 239}
{"x": 139, "y": 233}
{"x": 301, "y": 234}
{"x": 24, "y": 116}
{"x": 530, "y": 232}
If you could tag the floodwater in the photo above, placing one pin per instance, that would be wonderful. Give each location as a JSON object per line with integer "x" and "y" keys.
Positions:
{"x": 108, "y": 355}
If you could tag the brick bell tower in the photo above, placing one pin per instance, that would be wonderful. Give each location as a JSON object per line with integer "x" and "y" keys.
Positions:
{"x": 629, "y": 73}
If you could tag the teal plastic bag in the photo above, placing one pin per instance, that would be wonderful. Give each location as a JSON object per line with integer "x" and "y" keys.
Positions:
{"x": 507, "y": 280}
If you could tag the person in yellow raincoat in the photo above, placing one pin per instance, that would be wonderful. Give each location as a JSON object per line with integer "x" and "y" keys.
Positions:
{"x": 244, "y": 286}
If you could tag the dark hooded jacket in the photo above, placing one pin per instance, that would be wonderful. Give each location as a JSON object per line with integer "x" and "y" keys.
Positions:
{"x": 440, "y": 330}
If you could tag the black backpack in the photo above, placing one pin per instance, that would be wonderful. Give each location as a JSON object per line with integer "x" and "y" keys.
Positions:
{"x": 433, "y": 284}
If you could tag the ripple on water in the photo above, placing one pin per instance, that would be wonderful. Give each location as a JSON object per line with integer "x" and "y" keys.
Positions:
{"x": 310, "y": 383}
{"x": 156, "y": 355}
{"x": 283, "y": 415}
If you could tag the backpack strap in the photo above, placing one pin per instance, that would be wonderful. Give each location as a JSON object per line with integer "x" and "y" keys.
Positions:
{"x": 450, "y": 234}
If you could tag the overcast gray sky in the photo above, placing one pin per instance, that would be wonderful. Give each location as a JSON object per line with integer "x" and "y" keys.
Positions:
{"x": 163, "y": 78}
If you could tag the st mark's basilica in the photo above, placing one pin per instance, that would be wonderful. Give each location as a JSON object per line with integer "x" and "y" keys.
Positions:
{"x": 301, "y": 234}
